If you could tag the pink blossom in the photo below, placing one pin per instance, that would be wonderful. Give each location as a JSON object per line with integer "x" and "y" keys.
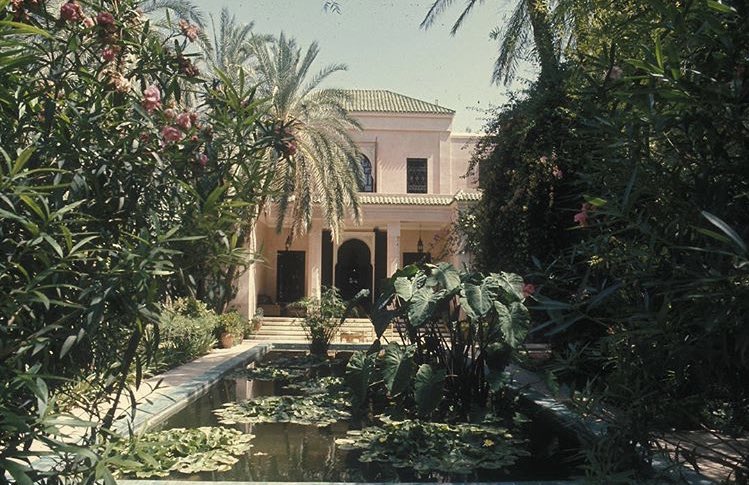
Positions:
{"x": 89, "y": 22}
{"x": 183, "y": 120}
{"x": 151, "y": 98}
{"x": 202, "y": 159}
{"x": 543, "y": 159}
{"x": 105, "y": 19}
{"x": 582, "y": 217}
{"x": 188, "y": 30}
{"x": 170, "y": 134}
{"x": 170, "y": 114}
{"x": 557, "y": 172}
{"x": 71, "y": 12}
{"x": 109, "y": 54}
{"x": 528, "y": 289}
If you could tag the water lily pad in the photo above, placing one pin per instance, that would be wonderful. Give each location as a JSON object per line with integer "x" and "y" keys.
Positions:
{"x": 269, "y": 374}
{"x": 435, "y": 447}
{"x": 321, "y": 385}
{"x": 318, "y": 410}
{"x": 180, "y": 450}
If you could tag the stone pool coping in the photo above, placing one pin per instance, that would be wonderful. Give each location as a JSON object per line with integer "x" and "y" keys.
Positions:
{"x": 169, "y": 393}
{"x": 179, "y": 482}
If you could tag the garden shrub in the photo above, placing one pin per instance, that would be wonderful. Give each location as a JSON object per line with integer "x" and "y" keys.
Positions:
{"x": 115, "y": 192}
{"x": 233, "y": 323}
{"x": 643, "y": 279}
{"x": 186, "y": 331}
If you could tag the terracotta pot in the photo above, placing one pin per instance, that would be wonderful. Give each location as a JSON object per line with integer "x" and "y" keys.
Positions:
{"x": 226, "y": 340}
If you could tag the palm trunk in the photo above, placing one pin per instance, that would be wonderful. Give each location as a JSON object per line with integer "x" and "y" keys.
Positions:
{"x": 538, "y": 11}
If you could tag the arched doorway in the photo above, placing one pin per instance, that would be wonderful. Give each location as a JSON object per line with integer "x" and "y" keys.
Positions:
{"x": 353, "y": 271}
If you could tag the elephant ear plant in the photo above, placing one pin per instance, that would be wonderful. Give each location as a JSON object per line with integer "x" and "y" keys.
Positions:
{"x": 459, "y": 331}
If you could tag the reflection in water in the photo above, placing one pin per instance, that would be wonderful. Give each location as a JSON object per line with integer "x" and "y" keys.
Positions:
{"x": 293, "y": 452}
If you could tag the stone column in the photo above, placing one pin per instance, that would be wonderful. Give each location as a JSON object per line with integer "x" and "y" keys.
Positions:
{"x": 245, "y": 300}
{"x": 314, "y": 261}
{"x": 394, "y": 247}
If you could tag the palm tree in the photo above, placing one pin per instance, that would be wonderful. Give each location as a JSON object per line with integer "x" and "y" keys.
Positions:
{"x": 230, "y": 48}
{"x": 183, "y": 9}
{"x": 530, "y": 19}
{"x": 318, "y": 162}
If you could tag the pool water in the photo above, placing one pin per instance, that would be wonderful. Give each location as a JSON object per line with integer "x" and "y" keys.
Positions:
{"x": 293, "y": 452}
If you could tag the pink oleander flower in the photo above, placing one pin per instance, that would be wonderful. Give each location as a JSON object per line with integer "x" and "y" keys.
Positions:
{"x": 557, "y": 172}
{"x": 543, "y": 159}
{"x": 528, "y": 289}
{"x": 109, "y": 54}
{"x": 170, "y": 114}
{"x": 89, "y": 22}
{"x": 71, "y": 12}
{"x": 189, "y": 30}
{"x": 202, "y": 159}
{"x": 184, "y": 120}
{"x": 105, "y": 18}
{"x": 151, "y": 98}
{"x": 170, "y": 134}
{"x": 582, "y": 217}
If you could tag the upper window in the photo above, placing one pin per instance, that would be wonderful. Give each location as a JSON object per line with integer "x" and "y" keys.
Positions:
{"x": 416, "y": 175}
{"x": 367, "y": 182}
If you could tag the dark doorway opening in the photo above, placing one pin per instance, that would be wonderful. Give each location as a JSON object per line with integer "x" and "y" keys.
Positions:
{"x": 353, "y": 271}
{"x": 290, "y": 276}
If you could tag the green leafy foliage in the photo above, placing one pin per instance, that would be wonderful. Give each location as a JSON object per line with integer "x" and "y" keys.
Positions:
{"x": 359, "y": 375}
{"x": 622, "y": 190}
{"x": 122, "y": 182}
{"x": 428, "y": 447}
{"x": 186, "y": 331}
{"x": 324, "y": 316}
{"x": 397, "y": 367}
{"x": 179, "y": 450}
{"x": 449, "y": 321}
{"x": 270, "y": 373}
{"x": 233, "y": 323}
{"x": 316, "y": 410}
{"x": 428, "y": 388}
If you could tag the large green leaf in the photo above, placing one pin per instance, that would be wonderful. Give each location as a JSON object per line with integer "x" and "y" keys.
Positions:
{"x": 403, "y": 288}
{"x": 422, "y": 305}
{"x": 514, "y": 321}
{"x": 429, "y": 386}
{"x": 477, "y": 300}
{"x": 445, "y": 276}
{"x": 512, "y": 284}
{"x": 359, "y": 375}
{"x": 397, "y": 367}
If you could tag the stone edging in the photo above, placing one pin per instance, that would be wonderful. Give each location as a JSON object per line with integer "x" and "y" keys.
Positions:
{"x": 170, "y": 401}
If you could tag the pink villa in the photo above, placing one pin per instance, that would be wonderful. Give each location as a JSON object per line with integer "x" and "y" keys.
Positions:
{"x": 414, "y": 186}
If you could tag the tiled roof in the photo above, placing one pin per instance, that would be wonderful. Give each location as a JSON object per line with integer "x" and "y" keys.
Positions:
{"x": 383, "y": 101}
{"x": 416, "y": 199}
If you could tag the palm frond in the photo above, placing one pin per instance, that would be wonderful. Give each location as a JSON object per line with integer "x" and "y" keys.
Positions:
{"x": 513, "y": 41}
{"x": 183, "y": 8}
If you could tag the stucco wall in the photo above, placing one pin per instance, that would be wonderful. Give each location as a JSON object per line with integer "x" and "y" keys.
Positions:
{"x": 388, "y": 141}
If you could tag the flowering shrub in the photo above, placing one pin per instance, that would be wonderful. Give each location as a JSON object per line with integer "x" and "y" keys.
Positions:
{"x": 108, "y": 204}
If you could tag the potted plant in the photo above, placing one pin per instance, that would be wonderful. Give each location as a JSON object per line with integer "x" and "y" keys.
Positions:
{"x": 324, "y": 316}
{"x": 230, "y": 329}
{"x": 256, "y": 322}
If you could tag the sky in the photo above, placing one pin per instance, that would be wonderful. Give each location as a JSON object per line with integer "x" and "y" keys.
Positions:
{"x": 384, "y": 48}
